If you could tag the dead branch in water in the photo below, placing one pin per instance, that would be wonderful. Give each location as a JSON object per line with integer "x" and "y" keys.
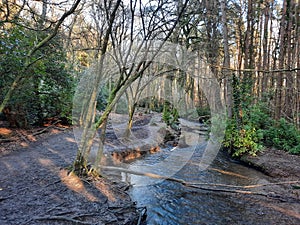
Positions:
{"x": 205, "y": 186}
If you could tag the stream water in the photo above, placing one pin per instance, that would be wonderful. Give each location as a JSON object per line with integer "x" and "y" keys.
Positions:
{"x": 169, "y": 202}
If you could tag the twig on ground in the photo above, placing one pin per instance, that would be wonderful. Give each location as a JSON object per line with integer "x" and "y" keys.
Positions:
{"x": 45, "y": 129}
{"x": 54, "y": 207}
{"x": 13, "y": 195}
{"x": 55, "y": 182}
{"x": 7, "y": 197}
{"x": 6, "y": 140}
{"x": 142, "y": 213}
{"x": 49, "y": 210}
{"x": 22, "y": 136}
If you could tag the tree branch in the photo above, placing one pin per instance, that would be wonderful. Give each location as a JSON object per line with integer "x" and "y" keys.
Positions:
{"x": 205, "y": 186}
{"x": 60, "y": 21}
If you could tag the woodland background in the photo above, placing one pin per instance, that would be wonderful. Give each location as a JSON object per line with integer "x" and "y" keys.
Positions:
{"x": 251, "y": 46}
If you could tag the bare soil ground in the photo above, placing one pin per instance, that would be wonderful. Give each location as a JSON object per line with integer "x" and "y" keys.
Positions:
{"x": 276, "y": 163}
{"x": 35, "y": 187}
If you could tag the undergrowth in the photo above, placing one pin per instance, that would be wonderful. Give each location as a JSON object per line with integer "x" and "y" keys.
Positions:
{"x": 255, "y": 128}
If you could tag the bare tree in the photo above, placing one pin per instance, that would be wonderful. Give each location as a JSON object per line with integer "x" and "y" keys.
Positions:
{"x": 133, "y": 38}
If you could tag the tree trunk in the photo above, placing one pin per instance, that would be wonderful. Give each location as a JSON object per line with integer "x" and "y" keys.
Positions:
{"x": 282, "y": 53}
{"x": 265, "y": 56}
{"x": 226, "y": 71}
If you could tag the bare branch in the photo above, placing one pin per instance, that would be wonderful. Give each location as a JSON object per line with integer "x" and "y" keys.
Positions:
{"x": 60, "y": 21}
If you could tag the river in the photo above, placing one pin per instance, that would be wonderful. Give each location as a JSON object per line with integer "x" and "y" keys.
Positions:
{"x": 169, "y": 202}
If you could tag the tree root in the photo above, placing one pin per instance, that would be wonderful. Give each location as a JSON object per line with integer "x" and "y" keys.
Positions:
{"x": 66, "y": 218}
{"x": 6, "y": 140}
{"x": 22, "y": 136}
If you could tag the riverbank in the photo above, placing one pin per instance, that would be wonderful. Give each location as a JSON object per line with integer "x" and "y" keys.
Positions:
{"x": 275, "y": 163}
{"x": 284, "y": 169}
{"x": 35, "y": 187}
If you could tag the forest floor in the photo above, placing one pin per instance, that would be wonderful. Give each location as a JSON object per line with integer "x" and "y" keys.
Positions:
{"x": 35, "y": 187}
{"x": 276, "y": 163}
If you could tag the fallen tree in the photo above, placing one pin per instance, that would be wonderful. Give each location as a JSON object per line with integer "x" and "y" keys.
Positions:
{"x": 215, "y": 187}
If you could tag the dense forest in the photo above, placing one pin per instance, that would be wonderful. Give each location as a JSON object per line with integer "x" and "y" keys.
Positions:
{"x": 251, "y": 48}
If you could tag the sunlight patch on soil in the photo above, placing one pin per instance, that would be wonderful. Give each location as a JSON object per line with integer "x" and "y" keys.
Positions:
{"x": 46, "y": 162}
{"x": 30, "y": 137}
{"x": 104, "y": 188}
{"x": 24, "y": 144}
{"x": 72, "y": 140}
{"x": 229, "y": 173}
{"x": 74, "y": 183}
{"x": 5, "y": 132}
{"x": 17, "y": 165}
{"x": 54, "y": 131}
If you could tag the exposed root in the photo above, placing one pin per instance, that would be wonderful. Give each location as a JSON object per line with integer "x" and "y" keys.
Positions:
{"x": 65, "y": 218}
{"x": 82, "y": 169}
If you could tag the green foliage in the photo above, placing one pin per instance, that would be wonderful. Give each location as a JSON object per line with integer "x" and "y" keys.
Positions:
{"x": 166, "y": 115}
{"x": 103, "y": 98}
{"x": 203, "y": 111}
{"x": 283, "y": 135}
{"x": 259, "y": 116}
{"x": 152, "y": 103}
{"x": 170, "y": 115}
{"x": 122, "y": 107}
{"x": 242, "y": 140}
{"x": 46, "y": 86}
{"x": 257, "y": 128}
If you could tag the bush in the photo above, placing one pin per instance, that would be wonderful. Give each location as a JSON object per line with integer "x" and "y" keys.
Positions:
{"x": 260, "y": 116}
{"x": 203, "y": 111}
{"x": 170, "y": 115}
{"x": 257, "y": 128}
{"x": 245, "y": 139}
{"x": 283, "y": 135}
{"x": 46, "y": 87}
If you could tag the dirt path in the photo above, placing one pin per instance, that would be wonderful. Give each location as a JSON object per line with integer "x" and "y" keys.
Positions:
{"x": 36, "y": 189}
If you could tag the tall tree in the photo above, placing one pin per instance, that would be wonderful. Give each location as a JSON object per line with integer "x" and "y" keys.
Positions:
{"x": 226, "y": 63}
{"x": 132, "y": 56}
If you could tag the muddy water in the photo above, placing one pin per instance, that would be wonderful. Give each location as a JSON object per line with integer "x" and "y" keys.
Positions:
{"x": 172, "y": 203}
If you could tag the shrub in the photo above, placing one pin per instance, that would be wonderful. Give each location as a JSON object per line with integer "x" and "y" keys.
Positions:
{"x": 257, "y": 128}
{"x": 240, "y": 141}
{"x": 283, "y": 135}
{"x": 46, "y": 87}
{"x": 170, "y": 115}
{"x": 203, "y": 111}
